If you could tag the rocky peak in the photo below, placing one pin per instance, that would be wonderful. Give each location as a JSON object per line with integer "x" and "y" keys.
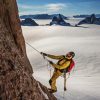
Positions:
{"x": 90, "y": 20}
{"x": 58, "y": 20}
{"x": 28, "y": 22}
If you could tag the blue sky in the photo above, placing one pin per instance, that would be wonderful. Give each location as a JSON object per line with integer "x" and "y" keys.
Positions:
{"x": 66, "y": 7}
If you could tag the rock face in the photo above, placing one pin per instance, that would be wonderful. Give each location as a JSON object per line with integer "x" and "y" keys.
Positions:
{"x": 58, "y": 20}
{"x": 16, "y": 81}
{"x": 28, "y": 22}
{"x": 90, "y": 20}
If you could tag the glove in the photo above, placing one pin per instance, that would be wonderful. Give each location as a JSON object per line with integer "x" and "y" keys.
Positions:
{"x": 44, "y": 54}
{"x": 50, "y": 62}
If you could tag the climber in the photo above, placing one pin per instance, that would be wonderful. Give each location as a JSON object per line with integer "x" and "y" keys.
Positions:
{"x": 65, "y": 64}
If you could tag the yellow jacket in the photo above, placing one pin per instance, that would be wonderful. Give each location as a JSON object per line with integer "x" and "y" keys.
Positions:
{"x": 62, "y": 63}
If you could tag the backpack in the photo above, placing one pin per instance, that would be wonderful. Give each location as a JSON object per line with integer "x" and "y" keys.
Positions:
{"x": 71, "y": 66}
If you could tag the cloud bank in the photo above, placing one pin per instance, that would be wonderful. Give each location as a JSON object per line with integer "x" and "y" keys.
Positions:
{"x": 48, "y": 8}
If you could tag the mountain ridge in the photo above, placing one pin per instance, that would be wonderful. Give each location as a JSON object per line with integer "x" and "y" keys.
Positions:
{"x": 85, "y": 15}
{"x": 42, "y": 16}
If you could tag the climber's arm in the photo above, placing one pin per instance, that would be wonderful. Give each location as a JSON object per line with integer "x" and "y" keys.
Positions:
{"x": 55, "y": 57}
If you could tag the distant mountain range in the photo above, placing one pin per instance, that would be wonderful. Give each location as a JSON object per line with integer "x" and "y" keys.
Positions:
{"x": 41, "y": 16}
{"x": 90, "y": 20}
{"x": 47, "y": 16}
{"x": 83, "y": 16}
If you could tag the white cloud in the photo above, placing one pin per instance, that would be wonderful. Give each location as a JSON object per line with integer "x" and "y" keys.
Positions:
{"x": 25, "y": 6}
{"x": 55, "y": 7}
{"x": 31, "y": 12}
{"x": 38, "y": 9}
{"x": 22, "y": 6}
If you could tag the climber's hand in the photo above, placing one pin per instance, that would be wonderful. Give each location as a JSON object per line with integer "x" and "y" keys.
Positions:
{"x": 44, "y": 54}
{"x": 50, "y": 62}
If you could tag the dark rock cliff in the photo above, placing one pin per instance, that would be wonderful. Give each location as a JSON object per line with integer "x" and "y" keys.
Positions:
{"x": 28, "y": 22}
{"x": 16, "y": 80}
{"x": 58, "y": 20}
{"x": 90, "y": 20}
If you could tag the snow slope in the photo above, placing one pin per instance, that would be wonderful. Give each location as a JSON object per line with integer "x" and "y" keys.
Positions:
{"x": 84, "y": 81}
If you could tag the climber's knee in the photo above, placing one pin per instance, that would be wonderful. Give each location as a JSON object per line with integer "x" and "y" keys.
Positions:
{"x": 50, "y": 81}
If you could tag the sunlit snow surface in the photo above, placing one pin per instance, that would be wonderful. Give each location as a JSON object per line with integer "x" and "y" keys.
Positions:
{"x": 84, "y": 81}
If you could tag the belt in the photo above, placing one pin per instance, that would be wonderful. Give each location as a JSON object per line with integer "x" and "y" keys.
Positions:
{"x": 62, "y": 70}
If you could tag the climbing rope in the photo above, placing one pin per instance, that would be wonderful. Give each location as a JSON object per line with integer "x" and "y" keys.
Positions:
{"x": 33, "y": 47}
{"x": 48, "y": 64}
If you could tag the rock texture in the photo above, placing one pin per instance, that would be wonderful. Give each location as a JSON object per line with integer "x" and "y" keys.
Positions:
{"x": 28, "y": 22}
{"x": 16, "y": 81}
{"x": 58, "y": 20}
{"x": 90, "y": 20}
